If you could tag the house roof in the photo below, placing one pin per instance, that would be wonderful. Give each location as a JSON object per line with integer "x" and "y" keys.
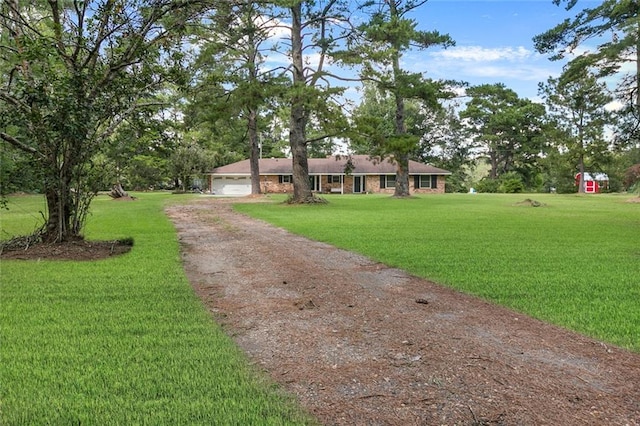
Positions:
{"x": 327, "y": 166}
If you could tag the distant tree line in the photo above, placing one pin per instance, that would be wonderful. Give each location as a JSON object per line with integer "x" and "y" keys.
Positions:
{"x": 152, "y": 94}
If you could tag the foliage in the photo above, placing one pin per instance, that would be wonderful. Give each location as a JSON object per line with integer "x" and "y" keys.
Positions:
{"x": 18, "y": 172}
{"x": 511, "y": 183}
{"x": 372, "y": 121}
{"x": 190, "y": 160}
{"x": 147, "y": 172}
{"x": 446, "y": 143}
{"x": 488, "y": 185}
{"x": 558, "y": 172}
{"x": 123, "y": 340}
{"x": 572, "y": 262}
{"x": 615, "y": 25}
{"x": 506, "y": 183}
{"x": 71, "y": 74}
{"x": 509, "y": 129}
{"x": 373, "y": 130}
{"x": 627, "y": 135}
{"x": 144, "y": 140}
{"x": 230, "y": 78}
{"x": 632, "y": 178}
{"x": 315, "y": 28}
{"x": 377, "y": 49}
{"x": 577, "y": 109}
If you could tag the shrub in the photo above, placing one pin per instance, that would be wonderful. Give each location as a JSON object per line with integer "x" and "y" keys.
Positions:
{"x": 632, "y": 178}
{"x": 488, "y": 185}
{"x": 510, "y": 183}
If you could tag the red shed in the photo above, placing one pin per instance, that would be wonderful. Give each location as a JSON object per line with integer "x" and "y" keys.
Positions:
{"x": 593, "y": 183}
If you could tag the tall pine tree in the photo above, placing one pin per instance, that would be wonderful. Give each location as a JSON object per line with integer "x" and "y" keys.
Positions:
{"x": 382, "y": 41}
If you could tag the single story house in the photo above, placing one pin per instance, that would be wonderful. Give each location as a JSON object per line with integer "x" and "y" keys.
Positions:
{"x": 327, "y": 175}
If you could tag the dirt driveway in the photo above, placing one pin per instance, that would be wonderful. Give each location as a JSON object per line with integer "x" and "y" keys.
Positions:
{"x": 359, "y": 343}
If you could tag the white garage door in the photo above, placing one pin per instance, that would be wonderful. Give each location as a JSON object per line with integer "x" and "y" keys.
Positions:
{"x": 231, "y": 186}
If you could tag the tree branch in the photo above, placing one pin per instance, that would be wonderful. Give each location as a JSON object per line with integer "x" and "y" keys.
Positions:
{"x": 108, "y": 131}
{"x": 81, "y": 9}
{"x": 21, "y": 146}
{"x": 13, "y": 101}
{"x": 319, "y": 138}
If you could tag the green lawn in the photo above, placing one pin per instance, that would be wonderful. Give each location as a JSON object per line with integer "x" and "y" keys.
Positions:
{"x": 122, "y": 341}
{"x": 126, "y": 341}
{"x": 574, "y": 261}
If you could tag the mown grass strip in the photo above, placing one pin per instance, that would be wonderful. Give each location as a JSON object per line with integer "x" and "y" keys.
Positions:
{"x": 575, "y": 261}
{"x": 123, "y": 340}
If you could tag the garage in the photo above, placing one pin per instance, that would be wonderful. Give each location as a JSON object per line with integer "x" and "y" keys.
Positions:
{"x": 233, "y": 186}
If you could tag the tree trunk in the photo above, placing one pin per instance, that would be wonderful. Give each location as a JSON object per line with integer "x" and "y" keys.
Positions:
{"x": 581, "y": 189}
{"x": 118, "y": 191}
{"x": 59, "y": 219}
{"x": 301, "y": 184}
{"x": 402, "y": 176}
{"x": 581, "y": 170}
{"x": 252, "y": 119}
{"x": 638, "y": 71}
{"x": 254, "y": 155}
{"x": 298, "y": 119}
{"x": 59, "y": 208}
{"x": 401, "y": 158}
{"x": 493, "y": 158}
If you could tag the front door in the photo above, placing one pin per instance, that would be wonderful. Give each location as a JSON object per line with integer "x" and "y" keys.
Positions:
{"x": 358, "y": 184}
{"x": 314, "y": 182}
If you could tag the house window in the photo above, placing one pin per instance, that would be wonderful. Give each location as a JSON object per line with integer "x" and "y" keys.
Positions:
{"x": 334, "y": 179}
{"x": 285, "y": 178}
{"x": 429, "y": 181}
{"x": 388, "y": 181}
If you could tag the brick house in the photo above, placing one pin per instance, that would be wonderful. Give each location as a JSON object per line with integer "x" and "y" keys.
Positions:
{"x": 327, "y": 175}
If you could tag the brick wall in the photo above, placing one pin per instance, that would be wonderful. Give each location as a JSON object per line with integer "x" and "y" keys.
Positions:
{"x": 271, "y": 184}
{"x": 327, "y": 187}
{"x": 374, "y": 183}
{"x": 438, "y": 190}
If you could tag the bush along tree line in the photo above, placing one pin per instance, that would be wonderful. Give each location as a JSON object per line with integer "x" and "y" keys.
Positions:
{"x": 151, "y": 94}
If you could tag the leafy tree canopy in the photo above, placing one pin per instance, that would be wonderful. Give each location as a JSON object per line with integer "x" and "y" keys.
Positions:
{"x": 72, "y": 71}
{"x": 615, "y": 25}
{"x": 577, "y": 109}
{"x": 509, "y": 128}
{"x": 377, "y": 50}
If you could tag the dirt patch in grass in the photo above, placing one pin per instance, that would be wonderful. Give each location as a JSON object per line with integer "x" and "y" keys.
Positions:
{"x": 360, "y": 343}
{"x": 78, "y": 249}
{"x": 530, "y": 203}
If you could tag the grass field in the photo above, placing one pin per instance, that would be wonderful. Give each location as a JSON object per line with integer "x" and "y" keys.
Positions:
{"x": 126, "y": 341}
{"x": 574, "y": 261}
{"x": 122, "y": 341}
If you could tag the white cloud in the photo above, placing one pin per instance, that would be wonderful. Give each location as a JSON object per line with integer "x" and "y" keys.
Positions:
{"x": 538, "y": 99}
{"x": 484, "y": 54}
{"x": 277, "y": 29}
{"x": 517, "y": 67}
{"x": 614, "y": 106}
{"x": 523, "y": 72}
{"x": 476, "y": 62}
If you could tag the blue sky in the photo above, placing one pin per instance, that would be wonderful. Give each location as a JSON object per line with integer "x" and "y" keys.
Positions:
{"x": 493, "y": 41}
